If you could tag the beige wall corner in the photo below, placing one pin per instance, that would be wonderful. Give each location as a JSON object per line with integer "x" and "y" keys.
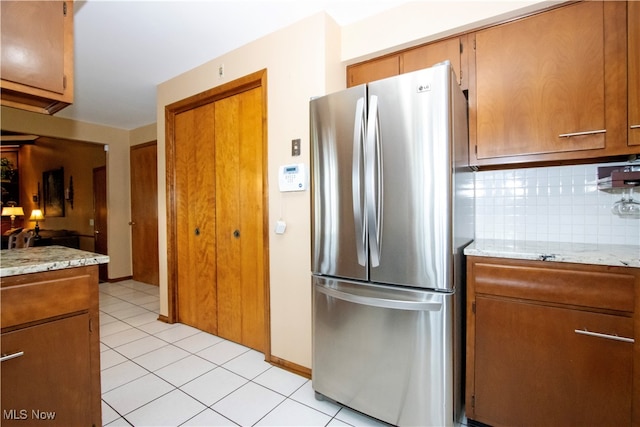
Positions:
{"x": 143, "y": 134}
{"x": 420, "y": 22}
{"x": 118, "y": 189}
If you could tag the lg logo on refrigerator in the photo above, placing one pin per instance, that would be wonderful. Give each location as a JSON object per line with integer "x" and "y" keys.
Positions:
{"x": 426, "y": 87}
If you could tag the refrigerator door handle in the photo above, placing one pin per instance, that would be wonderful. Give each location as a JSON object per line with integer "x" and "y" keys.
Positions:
{"x": 373, "y": 182}
{"x": 360, "y": 219}
{"x": 396, "y": 304}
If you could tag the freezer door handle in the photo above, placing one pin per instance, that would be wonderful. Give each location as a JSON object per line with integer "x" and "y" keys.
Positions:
{"x": 359, "y": 217}
{"x": 397, "y": 304}
{"x": 373, "y": 182}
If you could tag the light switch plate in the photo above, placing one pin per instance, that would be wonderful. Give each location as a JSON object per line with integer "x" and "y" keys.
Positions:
{"x": 295, "y": 147}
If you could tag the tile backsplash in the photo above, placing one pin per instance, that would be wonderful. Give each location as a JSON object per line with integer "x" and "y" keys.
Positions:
{"x": 551, "y": 204}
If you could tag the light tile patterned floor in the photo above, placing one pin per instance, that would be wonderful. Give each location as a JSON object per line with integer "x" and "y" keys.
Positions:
{"x": 156, "y": 374}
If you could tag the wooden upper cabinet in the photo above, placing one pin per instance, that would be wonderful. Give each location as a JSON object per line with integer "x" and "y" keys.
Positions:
{"x": 375, "y": 69}
{"x": 633, "y": 21}
{"x": 412, "y": 60}
{"x": 36, "y": 55}
{"x": 428, "y": 55}
{"x": 551, "y": 86}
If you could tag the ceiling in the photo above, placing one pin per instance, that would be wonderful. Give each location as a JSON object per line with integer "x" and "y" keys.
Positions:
{"x": 124, "y": 49}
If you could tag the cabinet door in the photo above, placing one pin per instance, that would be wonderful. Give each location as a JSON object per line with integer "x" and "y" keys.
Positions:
{"x": 633, "y": 22}
{"x": 546, "y": 85}
{"x": 433, "y": 53}
{"x": 373, "y": 70}
{"x": 51, "y": 380}
{"x": 37, "y": 55}
{"x": 533, "y": 368}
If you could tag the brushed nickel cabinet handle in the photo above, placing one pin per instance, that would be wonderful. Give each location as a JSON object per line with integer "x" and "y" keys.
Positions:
{"x": 5, "y": 357}
{"x": 605, "y": 336}
{"x": 588, "y": 132}
{"x": 634, "y": 127}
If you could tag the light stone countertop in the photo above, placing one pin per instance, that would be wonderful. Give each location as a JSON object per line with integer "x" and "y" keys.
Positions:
{"x": 46, "y": 258}
{"x": 580, "y": 253}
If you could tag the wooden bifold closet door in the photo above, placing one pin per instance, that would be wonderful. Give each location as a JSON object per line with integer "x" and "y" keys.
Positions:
{"x": 220, "y": 218}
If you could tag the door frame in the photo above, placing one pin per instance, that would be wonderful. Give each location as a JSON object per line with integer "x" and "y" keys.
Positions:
{"x": 101, "y": 218}
{"x": 251, "y": 81}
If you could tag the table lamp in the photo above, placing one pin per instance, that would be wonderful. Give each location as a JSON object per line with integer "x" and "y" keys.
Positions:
{"x": 13, "y": 212}
{"x": 36, "y": 215}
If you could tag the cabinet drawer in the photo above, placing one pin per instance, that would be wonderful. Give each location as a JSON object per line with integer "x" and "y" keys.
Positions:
{"x": 29, "y": 302}
{"x": 588, "y": 287}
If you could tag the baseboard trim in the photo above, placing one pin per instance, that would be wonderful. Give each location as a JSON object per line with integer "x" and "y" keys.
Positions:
{"x": 119, "y": 279}
{"x": 290, "y": 366}
{"x": 163, "y": 318}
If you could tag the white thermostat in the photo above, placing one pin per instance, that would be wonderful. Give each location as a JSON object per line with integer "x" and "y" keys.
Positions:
{"x": 292, "y": 177}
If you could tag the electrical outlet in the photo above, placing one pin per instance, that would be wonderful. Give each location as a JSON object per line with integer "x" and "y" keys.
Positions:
{"x": 221, "y": 71}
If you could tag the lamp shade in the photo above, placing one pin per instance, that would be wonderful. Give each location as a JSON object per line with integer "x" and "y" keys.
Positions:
{"x": 12, "y": 211}
{"x": 36, "y": 215}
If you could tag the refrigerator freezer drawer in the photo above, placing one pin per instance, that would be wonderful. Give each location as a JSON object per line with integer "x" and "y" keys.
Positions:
{"x": 384, "y": 351}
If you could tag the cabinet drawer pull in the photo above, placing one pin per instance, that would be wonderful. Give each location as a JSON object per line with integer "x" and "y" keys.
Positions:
{"x": 11, "y": 356}
{"x": 589, "y": 132}
{"x": 634, "y": 127}
{"x": 606, "y": 336}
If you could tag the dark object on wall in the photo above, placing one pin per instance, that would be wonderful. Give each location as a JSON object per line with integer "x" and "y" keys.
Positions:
{"x": 69, "y": 192}
{"x": 53, "y": 186}
{"x": 9, "y": 178}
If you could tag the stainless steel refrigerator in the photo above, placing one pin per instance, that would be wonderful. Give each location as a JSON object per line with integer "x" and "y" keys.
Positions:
{"x": 392, "y": 210}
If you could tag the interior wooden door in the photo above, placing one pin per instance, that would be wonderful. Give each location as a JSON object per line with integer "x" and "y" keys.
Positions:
{"x": 195, "y": 218}
{"x": 144, "y": 213}
{"x": 100, "y": 217}
{"x": 239, "y": 218}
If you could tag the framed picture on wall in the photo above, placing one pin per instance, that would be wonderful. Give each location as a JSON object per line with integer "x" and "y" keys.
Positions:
{"x": 53, "y": 192}
{"x": 10, "y": 178}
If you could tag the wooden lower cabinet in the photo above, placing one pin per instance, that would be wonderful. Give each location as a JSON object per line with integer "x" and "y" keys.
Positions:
{"x": 538, "y": 356}
{"x": 50, "y": 372}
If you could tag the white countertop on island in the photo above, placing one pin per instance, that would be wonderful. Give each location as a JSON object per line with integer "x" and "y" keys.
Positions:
{"x": 580, "y": 253}
{"x": 46, "y": 258}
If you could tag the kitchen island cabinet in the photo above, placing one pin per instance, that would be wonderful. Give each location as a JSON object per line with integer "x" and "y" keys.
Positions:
{"x": 37, "y": 55}
{"x": 49, "y": 338}
{"x": 550, "y": 87}
{"x": 552, "y": 343}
